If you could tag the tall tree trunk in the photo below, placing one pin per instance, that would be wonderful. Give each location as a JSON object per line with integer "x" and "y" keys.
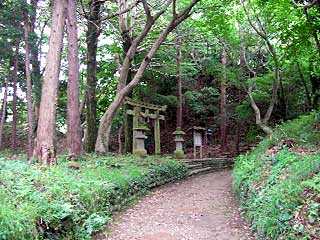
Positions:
{"x": 223, "y": 101}
{"x": 306, "y": 89}
{"x": 45, "y": 150}
{"x": 92, "y": 35}
{"x": 29, "y": 85}
{"x": 179, "y": 72}
{"x": 276, "y": 84}
{"x": 283, "y": 102}
{"x": 4, "y": 105}
{"x": 313, "y": 28}
{"x": 127, "y": 34}
{"x": 34, "y": 59}
{"x": 14, "y": 100}
{"x": 315, "y": 80}
{"x": 128, "y": 121}
{"x": 315, "y": 84}
{"x": 73, "y": 114}
{"x": 120, "y": 151}
{"x": 82, "y": 104}
{"x": 263, "y": 125}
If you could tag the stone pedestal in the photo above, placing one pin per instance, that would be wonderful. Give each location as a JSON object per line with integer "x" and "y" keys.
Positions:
{"x": 179, "y": 153}
{"x": 139, "y": 136}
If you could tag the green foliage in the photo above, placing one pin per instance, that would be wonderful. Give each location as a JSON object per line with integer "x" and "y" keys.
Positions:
{"x": 95, "y": 222}
{"x": 168, "y": 100}
{"x": 253, "y": 134}
{"x": 244, "y": 110}
{"x": 74, "y": 199}
{"x": 202, "y": 101}
{"x": 271, "y": 181}
{"x": 304, "y": 130}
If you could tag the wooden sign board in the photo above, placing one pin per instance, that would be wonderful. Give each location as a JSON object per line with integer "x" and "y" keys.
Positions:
{"x": 197, "y": 138}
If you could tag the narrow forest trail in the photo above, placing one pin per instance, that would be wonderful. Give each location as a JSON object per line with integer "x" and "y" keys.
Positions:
{"x": 199, "y": 208}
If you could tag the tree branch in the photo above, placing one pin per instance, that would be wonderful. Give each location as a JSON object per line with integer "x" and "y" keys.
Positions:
{"x": 84, "y": 12}
{"x": 147, "y": 10}
{"x": 165, "y": 7}
{"x": 129, "y": 8}
{"x": 175, "y": 22}
{"x": 122, "y": 4}
{"x": 260, "y": 33}
{"x": 305, "y": 4}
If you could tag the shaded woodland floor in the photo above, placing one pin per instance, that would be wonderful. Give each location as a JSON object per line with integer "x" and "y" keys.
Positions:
{"x": 199, "y": 208}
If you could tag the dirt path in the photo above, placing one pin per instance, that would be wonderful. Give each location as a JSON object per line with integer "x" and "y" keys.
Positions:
{"x": 200, "y": 208}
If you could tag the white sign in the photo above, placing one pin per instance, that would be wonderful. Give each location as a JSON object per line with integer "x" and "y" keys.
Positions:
{"x": 197, "y": 139}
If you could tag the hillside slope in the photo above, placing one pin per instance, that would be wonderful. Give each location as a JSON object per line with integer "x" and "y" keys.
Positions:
{"x": 279, "y": 182}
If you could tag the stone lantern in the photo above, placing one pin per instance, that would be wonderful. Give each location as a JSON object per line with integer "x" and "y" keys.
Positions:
{"x": 140, "y": 136}
{"x": 179, "y": 153}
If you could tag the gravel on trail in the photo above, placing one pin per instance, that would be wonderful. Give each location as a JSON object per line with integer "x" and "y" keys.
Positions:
{"x": 198, "y": 208}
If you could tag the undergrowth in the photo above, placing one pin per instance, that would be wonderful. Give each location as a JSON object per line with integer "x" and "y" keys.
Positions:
{"x": 279, "y": 182}
{"x": 74, "y": 199}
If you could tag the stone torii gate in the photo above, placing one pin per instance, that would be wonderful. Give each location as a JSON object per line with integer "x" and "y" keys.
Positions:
{"x": 140, "y": 112}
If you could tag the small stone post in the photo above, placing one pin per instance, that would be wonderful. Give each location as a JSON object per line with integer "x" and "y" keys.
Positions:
{"x": 139, "y": 135}
{"x": 179, "y": 153}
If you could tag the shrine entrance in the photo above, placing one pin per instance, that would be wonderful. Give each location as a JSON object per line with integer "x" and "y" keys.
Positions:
{"x": 142, "y": 112}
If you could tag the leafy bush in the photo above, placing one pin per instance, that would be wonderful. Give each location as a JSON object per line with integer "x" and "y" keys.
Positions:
{"x": 201, "y": 101}
{"x": 279, "y": 187}
{"x": 74, "y": 200}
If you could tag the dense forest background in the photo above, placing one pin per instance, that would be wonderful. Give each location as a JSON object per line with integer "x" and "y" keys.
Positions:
{"x": 244, "y": 66}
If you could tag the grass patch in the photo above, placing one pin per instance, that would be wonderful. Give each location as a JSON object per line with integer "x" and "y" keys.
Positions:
{"x": 278, "y": 184}
{"x": 74, "y": 199}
